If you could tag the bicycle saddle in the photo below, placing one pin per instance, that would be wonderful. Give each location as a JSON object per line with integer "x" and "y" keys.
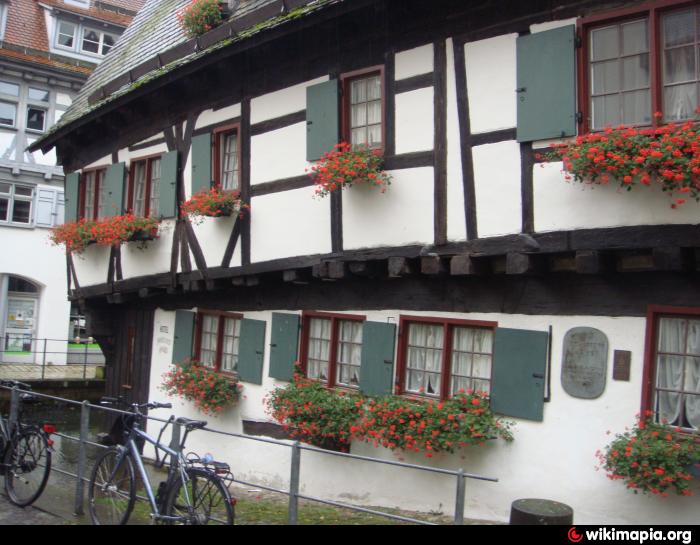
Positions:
{"x": 191, "y": 424}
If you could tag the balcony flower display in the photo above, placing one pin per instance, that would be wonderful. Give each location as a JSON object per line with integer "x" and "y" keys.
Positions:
{"x": 344, "y": 166}
{"x": 213, "y": 203}
{"x": 200, "y": 16}
{"x": 651, "y": 458}
{"x": 115, "y": 230}
{"x": 668, "y": 155}
{"x": 210, "y": 391}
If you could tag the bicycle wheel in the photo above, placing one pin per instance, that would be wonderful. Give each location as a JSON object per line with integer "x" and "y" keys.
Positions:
{"x": 112, "y": 489}
{"x": 28, "y": 463}
{"x": 203, "y": 500}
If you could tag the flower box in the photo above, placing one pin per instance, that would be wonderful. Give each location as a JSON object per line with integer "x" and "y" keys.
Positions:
{"x": 344, "y": 167}
{"x": 115, "y": 230}
{"x": 214, "y": 203}
{"x": 144, "y": 235}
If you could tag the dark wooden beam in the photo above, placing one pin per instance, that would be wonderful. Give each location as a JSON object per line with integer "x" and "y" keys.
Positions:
{"x": 440, "y": 141}
{"x": 517, "y": 263}
{"x": 671, "y": 258}
{"x": 432, "y": 265}
{"x": 466, "y": 265}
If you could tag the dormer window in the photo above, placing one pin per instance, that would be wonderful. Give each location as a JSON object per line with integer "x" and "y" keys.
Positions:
{"x": 66, "y": 34}
{"x": 84, "y": 39}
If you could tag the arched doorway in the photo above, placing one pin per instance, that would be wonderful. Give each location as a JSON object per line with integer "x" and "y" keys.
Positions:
{"x": 19, "y": 306}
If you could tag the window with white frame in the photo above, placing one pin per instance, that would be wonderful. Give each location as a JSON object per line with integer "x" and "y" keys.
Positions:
{"x": 85, "y": 39}
{"x": 16, "y": 203}
{"x": 97, "y": 42}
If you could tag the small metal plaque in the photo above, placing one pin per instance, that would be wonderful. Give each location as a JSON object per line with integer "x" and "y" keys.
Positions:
{"x": 622, "y": 365}
{"x": 585, "y": 362}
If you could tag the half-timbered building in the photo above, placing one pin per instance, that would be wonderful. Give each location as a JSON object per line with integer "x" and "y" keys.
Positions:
{"x": 476, "y": 269}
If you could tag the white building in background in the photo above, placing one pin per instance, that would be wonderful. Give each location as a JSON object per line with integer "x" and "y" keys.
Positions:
{"x": 47, "y": 50}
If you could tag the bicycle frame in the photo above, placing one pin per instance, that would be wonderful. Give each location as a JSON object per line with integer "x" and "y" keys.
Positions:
{"x": 132, "y": 448}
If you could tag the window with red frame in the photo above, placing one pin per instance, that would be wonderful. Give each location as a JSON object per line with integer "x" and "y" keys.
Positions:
{"x": 640, "y": 62}
{"x": 226, "y": 158}
{"x": 92, "y": 195}
{"x": 363, "y": 109}
{"x": 332, "y": 349}
{"x": 217, "y": 338}
{"x": 441, "y": 358}
{"x": 674, "y": 396}
{"x": 144, "y": 187}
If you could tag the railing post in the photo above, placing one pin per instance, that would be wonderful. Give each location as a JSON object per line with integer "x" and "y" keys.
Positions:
{"x": 84, "y": 430}
{"x": 459, "y": 503}
{"x": 14, "y": 408}
{"x": 43, "y": 362}
{"x": 85, "y": 359}
{"x": 294, "y": 484}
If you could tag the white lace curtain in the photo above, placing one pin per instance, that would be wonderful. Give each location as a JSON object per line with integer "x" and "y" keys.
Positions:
{"x": 678, "y": 372}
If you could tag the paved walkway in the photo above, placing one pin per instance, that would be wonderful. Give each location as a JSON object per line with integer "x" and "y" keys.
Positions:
{"x": 28, "y": 372}
{"x": 11, "y": 515}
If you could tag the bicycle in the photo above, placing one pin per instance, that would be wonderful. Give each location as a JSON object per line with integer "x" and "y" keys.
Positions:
{"x": 25, "y": 452}
{"x": 194, "y": 492}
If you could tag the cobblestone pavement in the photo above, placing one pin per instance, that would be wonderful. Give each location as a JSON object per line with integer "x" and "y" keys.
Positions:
{"x": 21, "y": 372}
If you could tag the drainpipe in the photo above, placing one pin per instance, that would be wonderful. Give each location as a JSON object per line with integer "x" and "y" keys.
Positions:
{"x": 3, "y": 312}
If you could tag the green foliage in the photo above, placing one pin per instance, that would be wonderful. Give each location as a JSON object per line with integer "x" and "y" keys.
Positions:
{"x": 210, "y": 391}
{"x": 651, "y": 458}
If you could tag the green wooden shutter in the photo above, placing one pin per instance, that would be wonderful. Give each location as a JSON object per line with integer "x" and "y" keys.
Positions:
{"x": 251, "y": 351}
{"x": 519, "y": 367}
{"x": 322, "y": 119}
{"x": 284, "y": 345}
{"x": 377, "y": 363}
{"x": 184, "y": 335}
{"x": 201, "y": 163}
{"x": 72, "y": 196}
{"x": 114, "y": 186}
{"x": 546, "y": 84}
{"x": 168, "y": 185}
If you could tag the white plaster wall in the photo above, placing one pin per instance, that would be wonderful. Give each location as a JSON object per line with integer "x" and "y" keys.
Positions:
{"x": 287, "y": 224}
{"x": 29, "y": 254}
{"x": 401, "y": 216}
{"x": 213, "y": 235}
{"x": 562, "y": 205}
{"x": 456, "y": 220}
{"x": 211, "y": 117}
{"x": 497, "y": 187}
{"x": 279, "y": 154}
{"x": 542, "y": 27}
{"x": 103, "y": 162}
{"x": 282, "y": 102}
{"x": 491, "y": 83}
{"x": 414, "y": 62}
{"x": 126, "y": 156}
{"x": 415, "y": 121}
{"x": 92, "y": 265}
{"x": 153, "y": 257}
{"x": 553, "y": 459}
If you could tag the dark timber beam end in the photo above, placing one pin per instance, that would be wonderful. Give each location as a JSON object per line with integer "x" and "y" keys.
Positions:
{"x": 635, "y": 262}
{"x": 337, "y": 270}
{"x": 670, "y": 258}
{"x": 400, "y": 266}
{"x": 297, "y": 276}
{"x": 589, "y": 262}
{"x": 517, "y": 263}
{"x": 465, "y": 265}
{"x": 319, "y": 270}
{"x": 432, "y": 265}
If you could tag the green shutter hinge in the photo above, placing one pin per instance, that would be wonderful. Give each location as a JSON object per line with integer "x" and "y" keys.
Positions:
{"x": 579, "y": 117}
{"x": 578, "y": 42}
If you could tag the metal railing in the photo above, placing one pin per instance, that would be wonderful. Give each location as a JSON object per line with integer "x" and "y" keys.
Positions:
{"x": 38, "y": 351}
{"x": 297, "y": 448}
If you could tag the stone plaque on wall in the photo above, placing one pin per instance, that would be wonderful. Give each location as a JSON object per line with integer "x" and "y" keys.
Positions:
{"x": 585, "y": 362}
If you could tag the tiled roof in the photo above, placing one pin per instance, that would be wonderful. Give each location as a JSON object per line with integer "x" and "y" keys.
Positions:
{"x": 46, "y": 60}
{"x": 26, "y": 26}
{"x": 154, "y": 32}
